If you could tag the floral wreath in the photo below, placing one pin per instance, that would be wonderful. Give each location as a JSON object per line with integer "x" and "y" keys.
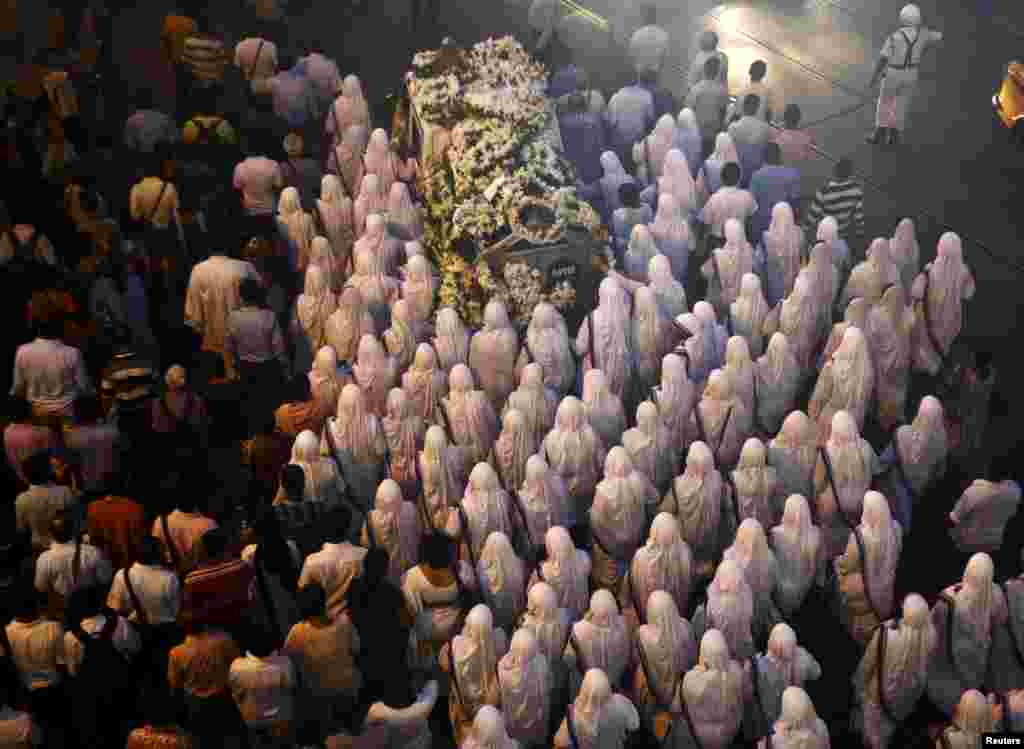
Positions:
{"x": 544, "y": 235}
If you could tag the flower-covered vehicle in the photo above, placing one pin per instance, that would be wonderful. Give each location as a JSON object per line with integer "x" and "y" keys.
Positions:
{"x": 1009, "y": 101}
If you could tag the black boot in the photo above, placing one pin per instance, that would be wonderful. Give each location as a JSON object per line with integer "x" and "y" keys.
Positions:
{"x": 877, "y": 137}
{"x": 894, "y": 137}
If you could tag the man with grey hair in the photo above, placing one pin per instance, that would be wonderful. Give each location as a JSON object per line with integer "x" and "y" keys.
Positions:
{"x": 897, "y": 69}
{"x": 649, "y": 44}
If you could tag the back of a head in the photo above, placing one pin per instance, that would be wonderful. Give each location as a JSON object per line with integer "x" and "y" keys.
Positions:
{"x": 792, "y": 116}
{"x": 293, "y": 481}
{"x": 150, "y": 550}
{"x": 47, "y": 316}
{"x": 311, "y": 601}
{"x": 213, "y": 543}
{"x": 708, "y": 41}
{"x": 88, "y": 408}
{"x": 436, "y": 551}
{"x": 252, "y": 292}
{"x": 844, "y": 169}
{"x": 629, "y": 194}
{"x": 38, "y": 469}
{"x": 731, "y": 174}
{"x": 60, "y": 527}
{"x": 773, "y": 154}
{"x": 648, "y": 78}
{"x": 577, "y": 102}
{"x": 712, "y": 66}
{"x": 375, "y": 565}
{"x": 650, "y": 11}
{"x": 18, "y": 409}
{"x": 84, "y": 603}
{"x": 758, "y": 70}
{"x": 751, "y": 103}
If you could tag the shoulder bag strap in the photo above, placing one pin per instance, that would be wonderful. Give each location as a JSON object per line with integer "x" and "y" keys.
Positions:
{"x": 467, "y": 536}
{"x": 156, "y": 205}
{"x": 455, "y": 672}
{"x": 256, "y": 58}
{"x": 944, "y": 740}
{"x": 932, "y": 338}
{"x": 718, "y": 271}
{"x": 756, "y": 681}
{"x": 1004, "y": 703}
{"x": 268, "y": 600}
{"x": 428, "y": 521}
{"x": 701, "y": 431}
{"x": 675, "y": 496}
{"x": 171, "y": 547}
{"x": 883, "y": 631}
{"x": 908, "y": 59}
{"x": 1017, "y": 650}
{"x": 823, "y": 452}
{"x": 632, "y": 595}
{"x": 139, "y": 610}
{"x": 569, "y": 723}
{"x": 950, "y": 623}
{"x": 590, "y": 341}
{"x": 721, "y": 432}
{"x": 689, "y": 720}
{"x": 581, "y": 659}
{"x": 864, "y": 572}
{"x": 5, "y": 640}
{"x": 734, "y": 499}
{"x": 371, "y": 537}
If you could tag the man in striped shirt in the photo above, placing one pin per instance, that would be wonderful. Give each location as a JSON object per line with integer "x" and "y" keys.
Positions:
{"x": 216, "y": 594}
{"x": 842, "y": 198}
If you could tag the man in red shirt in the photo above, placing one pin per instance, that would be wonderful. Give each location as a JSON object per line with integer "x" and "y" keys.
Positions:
{"x": 117, "y": 523}
{"x": 217, "y": 593}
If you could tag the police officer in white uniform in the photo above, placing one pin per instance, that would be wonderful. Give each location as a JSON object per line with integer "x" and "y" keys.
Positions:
{"x": 897, "y": 70}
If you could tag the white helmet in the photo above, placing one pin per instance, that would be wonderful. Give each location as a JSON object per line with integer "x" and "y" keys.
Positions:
{"x": 910, "y": 15}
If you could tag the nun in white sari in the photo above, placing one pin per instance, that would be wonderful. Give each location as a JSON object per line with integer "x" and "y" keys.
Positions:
{"x": 610, "y": 347}
{"x": 404, "y": 431}
{"x": 756, "y": 485}
{"x": 639, "y": 251}
{"x": 963, "y": 617}
{"x": 485, "y": 509}
{"x": 654, "y": 336}
{"x": 356, "y": 440}
{"x": 914, "y": 459}
{"x": 799, "y": 552}
{"x": 740, "y": 368}
{"x": 603, "y": 408}
{"x": 489, "y": 731}
{"x": 906, "y": 252}
{"x": 493, "y": 353}
{"x": 749, "y": 313}
{"x": 323, "y": 484}
{"x": 671, "y": 233}
{"x": 622, "y": 503}
{"x": 452, "y": 339}
{"x": 866, "y": 582}
{"x": 669, "y": 292}
{"x": 440, "y": 469}
{"x": 576, "y": 453}
{"x": 376, "y": 373}
{"x": 721, "y": 420}
{"x": 501, "y": 580}
{"x": 550, "y": 625}
{"x": 725, "y": 269}
{"x": 469, "y": 415}
{"x": 334, "y": 208}
{"x": 666, "y": 650}
{"x": 525, "y": 680}
{"x": 714, "y": 692}
{"x": 649, "y": 447}
{"x": 698, "y": 500}
{"x": 512, "y": 449}
{"x": 938, "y": 293}
{"x": 547, "y": 345}
{"x": 776, "y": 385}
{"x": 600, "y": 640}
{"x": 782, "y": 665}
{"x": 675, "y": 399}
{"x": 889, "y": 681}
{"x": 846, "y": 466}
{"x": 729, "y": 609}
{"x": 296, "y": 226}
{"x": 664, "y": 563}
{"x": 980, "y": 516}
{"x": 419, "y": 285}
{"x": 471, "y": 660}
{"x": 597, "y": 718}
{"x": 972, "y": 718}
{"x": 349, "y": 323}
{"x": 325, "y": 380}
{"x": 798, "y": 321}
{"x": 751, "y": 552}
{"x": 1006, "y": 668}
{"x": 426, "y": 384}
{"x": 798, "y": 726}
{"x": 393, "y": 525}
{"x": 794, "y": 454}
{"x": 544, "y": 500}
{"x": 870, "y": 278}
{"x": 846, "y": 383}
{"x": 402, "y": 212}
{"x": 566, "y": 569}
{"x": 400, "y": 338}
{"x": 535, "y": 401}
{"x": 783, "y": 248}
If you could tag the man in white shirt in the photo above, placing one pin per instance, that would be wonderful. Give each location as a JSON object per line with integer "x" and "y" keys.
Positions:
{"x": 256, "y": 58}
{"x": 750, "y": 134}
{"x": 96, "y": 619}
{"x": 70, "y": 564}
{"x": 36, "y": 508}
{"x": 258, "y": 178}
{"x": 263, "y": 685}
{"x": 709, "y": 99}
{"x": 728, "y": 202}
{"x": 48, "y": 373}
{"x": 185, "y": 526}
{"x": 213, "y": 295}
{"x": 333, "y": 568}
{"x": 38, "y": 656}
{"x": 768, "y": 107}
{"x": 155, "y": 586}
{"x": 708, "y": 49}
{"x": 630, "y": 116}
{"x": 649, "y": 45}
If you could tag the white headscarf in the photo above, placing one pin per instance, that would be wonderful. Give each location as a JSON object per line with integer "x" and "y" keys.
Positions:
{"x": 740, "y": 368}
{"x": 676, "y": 396}
{"x": 870, "y": 278}
{"x": 617, "y": 515}
{"x": 670, "y": 292}
{"x": 664, "y": 563}
{"x": 396, "y": 527}
{"x": 799, "y": 726}
{"x": 659, "y": 142}
{"x": 603, "y": 408}
{"x": 548, "y": 340}
{"x": 670, "y": 222}
{"x": 849, "y": 386}
{"x": 749, "y": 312}
{"x": 489, "y": 731}
{"x": 475, "y": 657}
{"x": 346, "y": 158}
{"x": 756, "y": 483}
{"x": 493, "y": 352}
{"x": 723, "y": 416}
{"x": 404, "y": 431}
{"x": 544, "y": 499}
{"x": 699, "y": 494}
{"x": 735, "y": 259}
{"x": 793, "y": 453}
{"x": 565, "y": 570}
{"x": 374, "y": 371}
{"x": 798, "y": 319}
{"x": 777, "y": 381}
{"x": 452, "y": 341}
{"x": 503, "y": 575}
{"x": 486, "y": 506}
{"x": 400, "y": 338}
{"x": 402, "y": 211}
{"x": 573, "y": 447}
{"x": 639, "y": 251}
{"x": 442, "y": 486}
{"x": 321, "y": 478}
{"x": 514, "y": 446}
{"x": 974, "y": 600}
{"x": 418, "y": 287}
{"x": 713, "y": 690}
{"x": 370, "y": 263}
{"x": 611, "y": 345}
{"x": 297, "y": 223}
{"x": 650, "y": 447}
{"x": 783, "y": 244}
{"x": 470, "y": 414}
{"x": 606, "y": 642}
{"x": 687, "y": 122}
{"x": 730, "y": 607}
{"x": 323, "y": 377}
{"x": 590, "y": 708}
{"x": 349, "y": 323}
{"x": 922, "y": 444}
{"x": 677, "y": 180}
{"x": 381, "y": 160}
{"x": 350, "y": 108}
{"x": 356, "y": 428}
{"x": 535, "y": 401}
{"x": 852, "y": 477}
{"x": 524, "y": 677}
{"x": 906, "y": 252}
{"x": 653, "y": 335}
{"x": 547, "y": 620}
{"x": 425, "y": 383}
{"x": 321, "y": 254}
{"x": 315, "y": 306}
{"x": 667, "y": 644}
{"x": 372, "y": 198}
{"x": 751, "y": 552}
{"x": 882, "y": 541}
{"x": 797, "y": 545}
{"x": 973, "y": 717}
{"x": 949, "y": 281}
{"x": 725, "y": 150}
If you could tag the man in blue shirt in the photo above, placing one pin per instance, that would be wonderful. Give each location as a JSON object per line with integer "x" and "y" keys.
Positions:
{"x": 583, "y": 138}
{"x": 772, "y": 183}
{"x": 629, "y": 117}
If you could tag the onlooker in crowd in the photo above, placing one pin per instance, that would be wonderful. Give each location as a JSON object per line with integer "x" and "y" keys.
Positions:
{"x": 797, "y": 145}
{"x": 842, "y": 198}
{"x": 766, "y": 99}
{"x": 750, "y": 134}
{"x": 69, "y": 565}
{"x": 36, "y": 508}
{"x": 772, "y": 183}
{"x": 708, "y": 50}
{"x": 23, "y": 438}
{"x": 728, "y": 202}
{"x": 709, "y": 99}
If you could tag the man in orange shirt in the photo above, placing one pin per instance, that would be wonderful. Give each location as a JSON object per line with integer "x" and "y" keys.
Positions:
{"x": 117, "y": 524}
